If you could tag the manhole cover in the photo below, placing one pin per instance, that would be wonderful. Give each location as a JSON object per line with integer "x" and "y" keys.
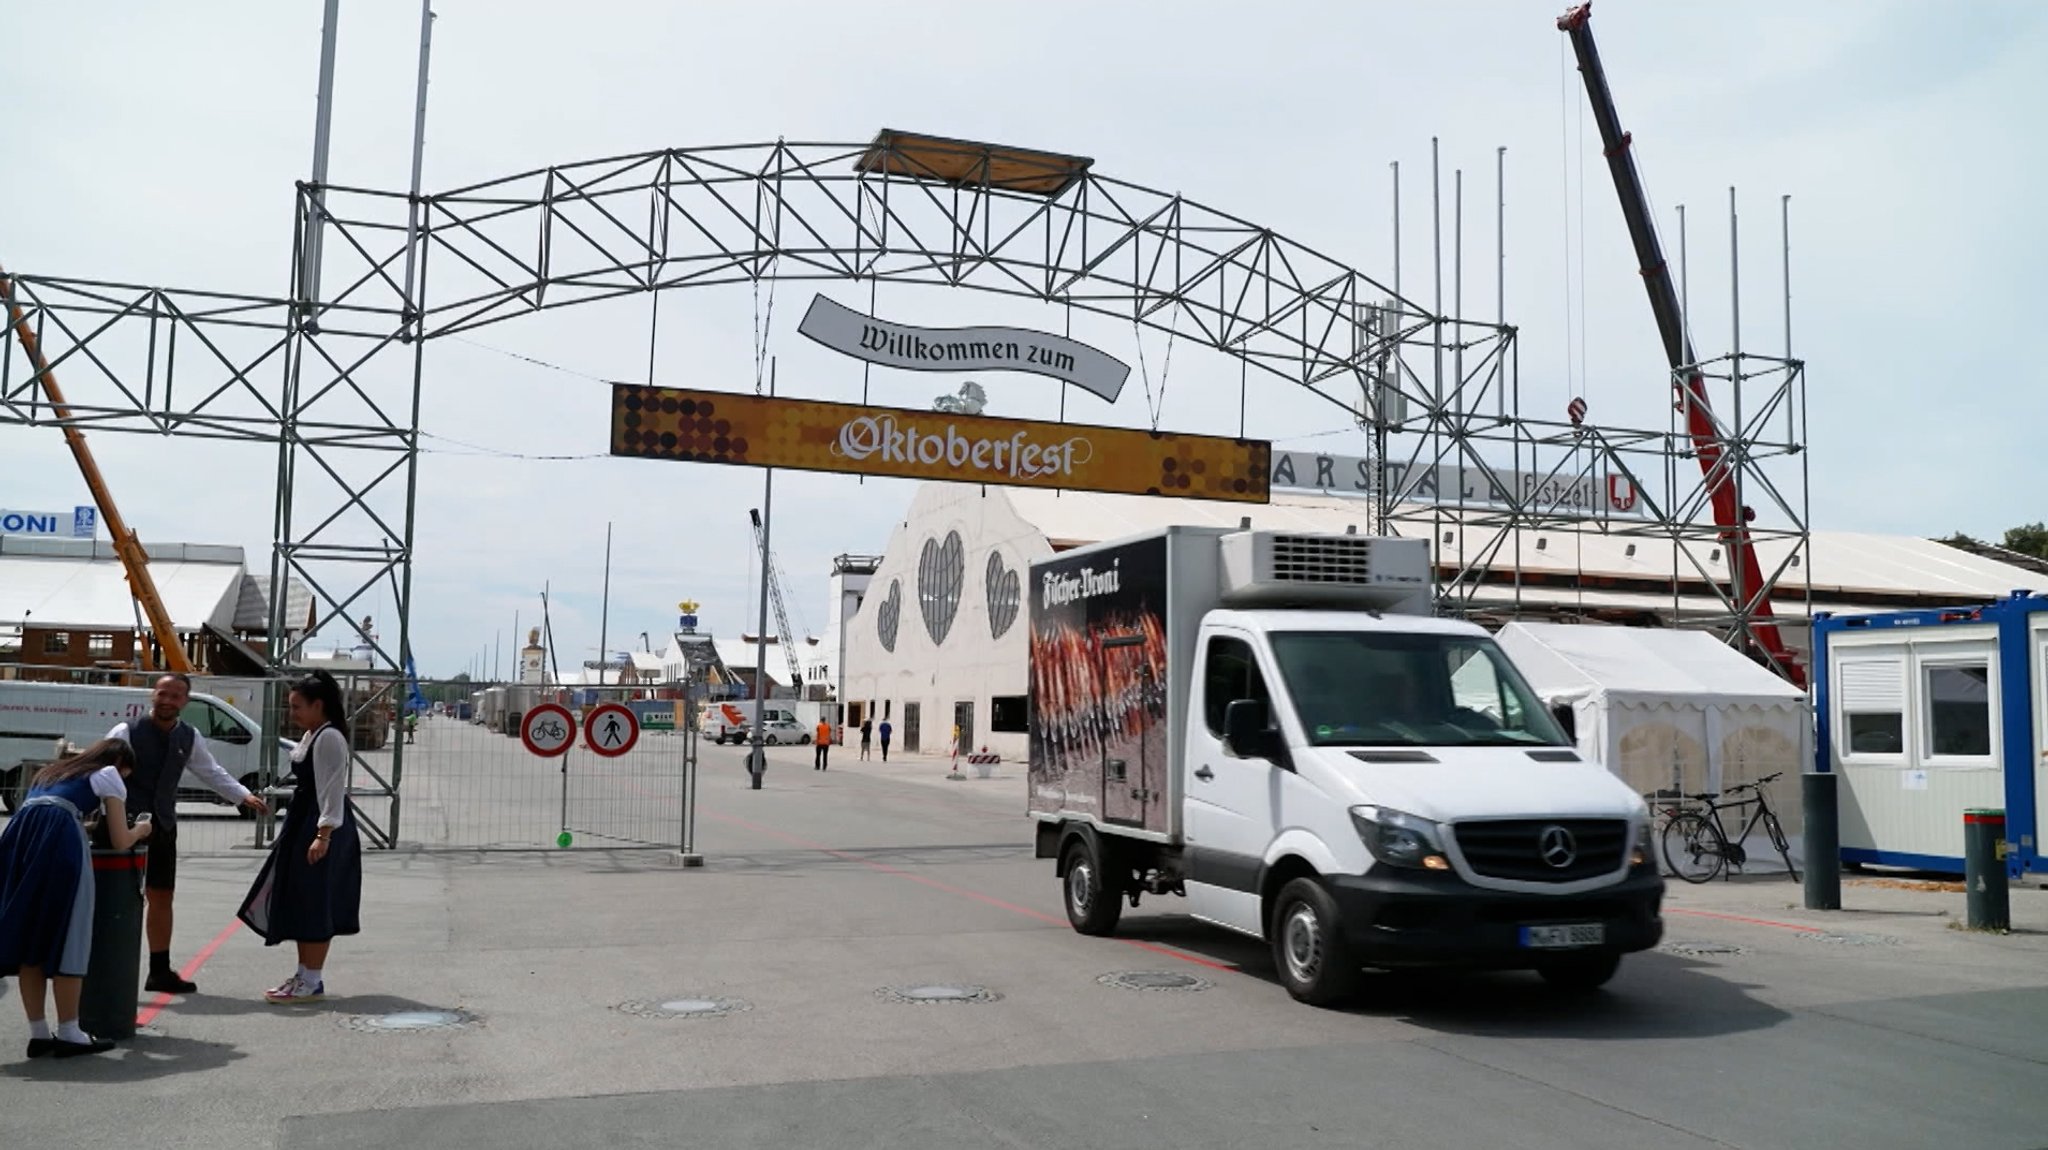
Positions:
{"x": 1702, "y": 949}
{"x": 1154, "y": 980}
{"x": 938, "y": 992}
{"x": 686, "y": 1006}
{"x": 408, "y": 1021}
{"x": 1848, "y": 938}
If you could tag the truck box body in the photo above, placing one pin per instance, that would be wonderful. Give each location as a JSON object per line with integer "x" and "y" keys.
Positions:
{"x": 1112, "y": 631}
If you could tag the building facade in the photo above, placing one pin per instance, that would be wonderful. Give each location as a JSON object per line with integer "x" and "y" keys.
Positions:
{"x": 939, "y": 639}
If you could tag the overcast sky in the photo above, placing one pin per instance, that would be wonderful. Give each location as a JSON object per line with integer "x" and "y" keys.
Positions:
{"x": 158, "y": 144}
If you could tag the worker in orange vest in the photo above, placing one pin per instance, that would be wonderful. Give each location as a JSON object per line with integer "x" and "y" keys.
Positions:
{"x": 823, "y": 741}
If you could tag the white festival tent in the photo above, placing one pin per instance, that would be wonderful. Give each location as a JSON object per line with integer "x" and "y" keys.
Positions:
{"x": 1668, "y": 708}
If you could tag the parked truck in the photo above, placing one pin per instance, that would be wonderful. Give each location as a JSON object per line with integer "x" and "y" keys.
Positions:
{"x": 37, "y": 718}
{"x": 1273, "y": 726}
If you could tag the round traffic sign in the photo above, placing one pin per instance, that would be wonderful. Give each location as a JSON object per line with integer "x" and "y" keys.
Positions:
{"x": 548, "y": 730}
{"x": 610, "y": 729}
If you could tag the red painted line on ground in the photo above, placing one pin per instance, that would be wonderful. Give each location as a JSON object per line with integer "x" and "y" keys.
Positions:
{"x": 961, "y": 891}
{"x": 1742, "y": 918}
{"x": 148, "y": 1013}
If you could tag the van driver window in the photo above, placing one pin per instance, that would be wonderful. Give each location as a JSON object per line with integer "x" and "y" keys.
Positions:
{"x": 217, "y": 725}
{"x": 1231, "y": 673}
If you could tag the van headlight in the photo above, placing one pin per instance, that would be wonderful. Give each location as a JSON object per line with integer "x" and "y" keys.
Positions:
{"x": 1645, "y": 830}
{"x": 1400, "y": 839}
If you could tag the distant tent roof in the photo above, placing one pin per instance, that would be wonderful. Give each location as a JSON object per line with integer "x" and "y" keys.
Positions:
{"x": 1563, "y": 660}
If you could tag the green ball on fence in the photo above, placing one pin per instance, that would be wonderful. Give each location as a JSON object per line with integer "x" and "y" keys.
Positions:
{"x": 564, "y": 839}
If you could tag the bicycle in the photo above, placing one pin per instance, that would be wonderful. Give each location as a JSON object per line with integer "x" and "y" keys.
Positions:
{"x": 1697, "y": 837}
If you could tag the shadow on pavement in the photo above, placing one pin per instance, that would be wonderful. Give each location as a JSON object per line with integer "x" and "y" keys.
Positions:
{"x": 1655, "y": 995}
{"x": 143, "y": 1057}
{"x": 213, "y": 1005}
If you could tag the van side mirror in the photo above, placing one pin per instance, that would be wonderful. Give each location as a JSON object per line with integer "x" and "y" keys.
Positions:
{"x": 1566, "y": 718}
{"x": 1248, "y": 732}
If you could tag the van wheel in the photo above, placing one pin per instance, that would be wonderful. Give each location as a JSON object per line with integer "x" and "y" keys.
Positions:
{"x": 1094, "y": 900}
{"x": 1309, "y": 950}
{"x": 1580, "y": 973}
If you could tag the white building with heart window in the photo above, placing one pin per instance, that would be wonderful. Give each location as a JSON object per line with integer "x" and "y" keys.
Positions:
{"x": 937, "y": 636}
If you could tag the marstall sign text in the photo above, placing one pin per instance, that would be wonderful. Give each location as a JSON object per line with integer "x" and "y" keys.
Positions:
{"x": 963, "y": 348}
{"x": 807, "y": 435}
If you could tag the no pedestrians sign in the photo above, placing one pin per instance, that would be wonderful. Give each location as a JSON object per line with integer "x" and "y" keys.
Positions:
{"x": 610, "y": 730}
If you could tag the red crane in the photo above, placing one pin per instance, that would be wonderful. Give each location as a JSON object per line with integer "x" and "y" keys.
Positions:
{"x": 1691, "y": 398}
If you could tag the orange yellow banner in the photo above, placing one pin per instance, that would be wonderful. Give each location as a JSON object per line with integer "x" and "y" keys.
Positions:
{"x": 808, "y": 435}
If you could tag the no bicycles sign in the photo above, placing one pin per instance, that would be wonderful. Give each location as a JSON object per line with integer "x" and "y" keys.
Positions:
{"x": 548, "y": 730}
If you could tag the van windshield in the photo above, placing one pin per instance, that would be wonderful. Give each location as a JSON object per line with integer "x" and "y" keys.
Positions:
{"x": 1380, "y": 689}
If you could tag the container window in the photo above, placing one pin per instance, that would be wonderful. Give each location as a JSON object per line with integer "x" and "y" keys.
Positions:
{"x": 100, "y": 646}
{"x": 1959, "y": 710}
{"x": 56, "y": 642}
{"x": 1872, "y": 701}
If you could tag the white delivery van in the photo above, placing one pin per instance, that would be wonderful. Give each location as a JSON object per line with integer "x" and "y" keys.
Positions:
{"x": 1273, "y": 726}
{"x": 35, "y": 716}
{"x": 728, "y": 721}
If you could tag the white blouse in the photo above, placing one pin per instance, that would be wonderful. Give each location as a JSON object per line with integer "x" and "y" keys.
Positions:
{"x": 330, "y": 770}
{"x": 107, "y": 784}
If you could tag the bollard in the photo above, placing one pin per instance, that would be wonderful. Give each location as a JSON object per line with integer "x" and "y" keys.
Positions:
{"x": 113, "y": 977}
{"x": 1822, "y": 840}
{"x": 1989, "y": 904}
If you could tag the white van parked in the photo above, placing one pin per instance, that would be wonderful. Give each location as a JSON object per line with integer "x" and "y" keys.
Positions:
{"x": 1273, "y": 726}
{"x": 35, "y": 716}
{"x": 728, "y": 721}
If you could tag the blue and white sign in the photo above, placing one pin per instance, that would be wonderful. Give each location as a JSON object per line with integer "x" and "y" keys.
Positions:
{"x": 82, "y": 523}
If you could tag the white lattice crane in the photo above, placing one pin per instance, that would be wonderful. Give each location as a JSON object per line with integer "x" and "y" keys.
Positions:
{"x": 784, "y": 639}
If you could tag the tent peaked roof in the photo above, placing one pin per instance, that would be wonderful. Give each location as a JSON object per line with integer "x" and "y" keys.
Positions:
{"x": 1565, "y": 660}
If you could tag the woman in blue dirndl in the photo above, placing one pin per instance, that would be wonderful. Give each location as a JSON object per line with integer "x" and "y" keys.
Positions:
{"x": 46, "y": 887}
{"x": 311, "y": 887}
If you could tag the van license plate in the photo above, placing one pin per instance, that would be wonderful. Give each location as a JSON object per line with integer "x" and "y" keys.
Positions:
{"x": 1564, "y": 937}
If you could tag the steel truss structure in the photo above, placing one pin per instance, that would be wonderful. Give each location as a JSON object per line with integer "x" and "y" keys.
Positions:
{"x": 330, "y": 371}
{"x": 1530, "y": 477}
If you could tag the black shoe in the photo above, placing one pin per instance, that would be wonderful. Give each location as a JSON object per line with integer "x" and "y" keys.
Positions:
{"x": 37, "y": 1047}
{"x": 168, "y": 982}
{"x": 75, "y": 1049}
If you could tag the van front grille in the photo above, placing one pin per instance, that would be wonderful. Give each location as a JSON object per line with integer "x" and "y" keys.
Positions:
{"x": 1527, "y": 850}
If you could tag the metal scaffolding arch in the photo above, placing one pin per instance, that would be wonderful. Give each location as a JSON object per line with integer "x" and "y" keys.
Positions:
{"x": 330, "y": 371}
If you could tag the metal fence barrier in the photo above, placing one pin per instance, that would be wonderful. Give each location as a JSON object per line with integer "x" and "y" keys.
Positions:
{"x": 459, "y": 776}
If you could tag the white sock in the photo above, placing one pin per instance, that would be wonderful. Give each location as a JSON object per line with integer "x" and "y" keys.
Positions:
{"x": 68, "y": 1031}
{"x": 309, "y": 976}
{"x": 39, "y": 1028}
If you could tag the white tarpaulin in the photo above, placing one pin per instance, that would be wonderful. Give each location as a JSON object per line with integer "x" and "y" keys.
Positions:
{"x": 1670, "y": 708}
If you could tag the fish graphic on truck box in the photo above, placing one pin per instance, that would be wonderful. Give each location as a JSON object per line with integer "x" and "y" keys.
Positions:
{"x": 1274, "y": 726}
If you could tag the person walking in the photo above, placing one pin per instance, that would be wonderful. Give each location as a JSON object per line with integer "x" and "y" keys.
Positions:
{"x": 884, "y": 732}
{"x": 165, "y": 746}
{"x": 867, "y": 733}
{"x": 822, "y": 740}
{"x": 311, "y": 888}
{"x": 47, "y": 887}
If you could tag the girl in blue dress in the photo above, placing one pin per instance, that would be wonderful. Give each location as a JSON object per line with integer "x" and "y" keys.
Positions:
{"x": 311, "y": 887}
{"x": 46, "y": 887}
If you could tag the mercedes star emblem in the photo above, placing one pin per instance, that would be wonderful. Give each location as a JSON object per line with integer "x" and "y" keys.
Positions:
{"x": 1557, "y": 847}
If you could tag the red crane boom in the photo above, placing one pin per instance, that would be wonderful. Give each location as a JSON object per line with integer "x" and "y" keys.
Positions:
{"x": 1690, "y": 386}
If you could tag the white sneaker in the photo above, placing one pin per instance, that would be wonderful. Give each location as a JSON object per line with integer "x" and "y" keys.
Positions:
{"x": 295, "y": 990}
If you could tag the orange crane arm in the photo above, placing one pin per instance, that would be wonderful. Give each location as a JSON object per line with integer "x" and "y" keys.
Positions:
{"x": 133, "y": 558}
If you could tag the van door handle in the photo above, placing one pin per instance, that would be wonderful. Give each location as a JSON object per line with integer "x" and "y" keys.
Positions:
{"x": 1205, "y": 774}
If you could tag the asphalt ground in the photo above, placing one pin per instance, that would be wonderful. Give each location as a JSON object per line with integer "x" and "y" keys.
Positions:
{"x": 825, "y": 895}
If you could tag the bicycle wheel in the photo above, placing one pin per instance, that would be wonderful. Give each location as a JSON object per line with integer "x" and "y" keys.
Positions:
{"x": 1693, "y": 848}
{"x": 1778, "y": 839}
